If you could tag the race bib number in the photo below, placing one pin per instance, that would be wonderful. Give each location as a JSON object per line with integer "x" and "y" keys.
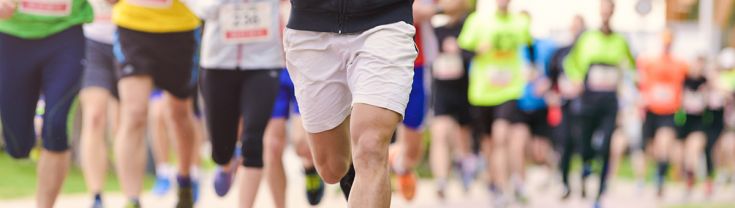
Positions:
{"x": 694, "y": 102}
{"x": 500, "y": 77}
{"x": 156, "y": 4}
{"x": 603, "y": 78}
{"x": 448, "y": 67}
{"x": 54, "y": 8}
{"x": 661, "y": 94}
{"x": 246, "y": 22}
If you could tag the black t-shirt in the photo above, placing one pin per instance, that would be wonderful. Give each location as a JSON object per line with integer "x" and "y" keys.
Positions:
{"x": 693, "y": 84}
{"x": 452, "y": 31}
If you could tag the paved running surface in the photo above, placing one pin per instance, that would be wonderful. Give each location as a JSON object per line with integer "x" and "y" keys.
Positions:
{"x": 621, "y": 194}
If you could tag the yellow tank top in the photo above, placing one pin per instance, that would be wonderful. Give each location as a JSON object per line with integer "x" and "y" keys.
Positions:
{"x": 154, "y": 16}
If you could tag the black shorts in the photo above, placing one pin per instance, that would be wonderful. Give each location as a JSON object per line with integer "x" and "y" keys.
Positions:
{"x": 537, "y": 121}
{"x": 484, "y": 116}
{"x": 450, "y": 99}
{"x": 653, "y": 122}
{"x": 693, "y": 123}
{"x": 166, "y": 57}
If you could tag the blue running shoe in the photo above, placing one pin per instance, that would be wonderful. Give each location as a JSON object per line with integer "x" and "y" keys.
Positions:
{"x": 161, "y": 186}
{"x": 222, "y": 181}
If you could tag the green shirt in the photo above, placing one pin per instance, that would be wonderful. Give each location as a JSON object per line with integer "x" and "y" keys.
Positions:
{"x": 34, "y": 20}
{"x": 496, "y": 76}
{"x": 594, "y": 47}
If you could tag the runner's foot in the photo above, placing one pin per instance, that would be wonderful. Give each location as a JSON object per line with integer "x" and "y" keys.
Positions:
{"x": 223, "y": 181}
{"x": 133, "y": 203}
{"x": 98, "y": 201}
{"x": 407, "y": 185}
{"x": 186, "y": 198}
{"x": 346, "y": 182}
{"x": 314, "y": 187}
{"x": 161, "y": 186}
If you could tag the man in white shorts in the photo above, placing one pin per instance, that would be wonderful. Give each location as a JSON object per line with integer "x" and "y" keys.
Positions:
{"x": 351, "y": 62}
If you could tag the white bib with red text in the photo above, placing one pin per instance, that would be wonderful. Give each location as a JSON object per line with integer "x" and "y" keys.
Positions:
{"x": 54, "y": 8}
{"x": 246, "y": 22}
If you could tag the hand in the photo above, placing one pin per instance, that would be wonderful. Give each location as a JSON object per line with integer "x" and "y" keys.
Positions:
{"x": 7, "y": 9}
{"x": 542, "y": 86}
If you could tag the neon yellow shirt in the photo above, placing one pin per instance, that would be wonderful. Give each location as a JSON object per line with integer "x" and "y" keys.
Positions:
{"x": 496, "y": 76}
{"x": 594, "y": 47}
{"x": 154, "y": 16}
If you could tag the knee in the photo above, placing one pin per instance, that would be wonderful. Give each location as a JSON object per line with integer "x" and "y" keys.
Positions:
{"x": 95, "y": 118}
{"x": 179, "y": 111}
{"x": 135, "y": 116}
{"x": 371, "y": 150}
{"x": 331, "y": 170}
{"x": 274, "y": 146}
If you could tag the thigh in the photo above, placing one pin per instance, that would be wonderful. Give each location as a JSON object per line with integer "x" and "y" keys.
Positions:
{"x": 381, "y": 67}
{"x": 61, "y": 80}
{"x": 20, "y": 84}
{"x": 318, "y": 73}
{"x": 258, "y": 93}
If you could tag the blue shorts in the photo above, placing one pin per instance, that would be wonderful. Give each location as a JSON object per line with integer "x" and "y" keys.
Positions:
{"x": 286, "y": 99}
{"x": 416, "y": 108}
{"x": 51, "y": 66}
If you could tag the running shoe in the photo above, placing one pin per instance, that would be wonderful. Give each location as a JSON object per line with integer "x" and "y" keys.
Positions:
{"x": 586, "y": 172}
{"x": 499, "y": 200}
{"x": 133, "y": 204}
{"x": 223, "y": 181}
{"x": 407, "y": 185}
{"x": 468, "y": 170}
{"x": 98, "y": 204}
{"x": 161, "y": 186}
{"x": 195, "y": 190}
{"x": 566, "y": 193}
{"x": 186, "y": 198}
{"x": 346, "y": 182}
{"x": 314, "y": 187}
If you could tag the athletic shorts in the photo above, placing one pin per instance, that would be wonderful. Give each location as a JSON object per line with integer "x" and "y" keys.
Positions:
{"x": 416, "y": 110}
{"x": 653, "y": 122}
{"x": 166, "y": 57}
{"x": 286, "y": 99}
{"x": 450, "y": 99}
{"x": 99, "y": 67}
{"x": 537, "y": 121}
{"x": 484, "y": 116}
{"x": 693, "y": 123}
{"x": 51, "y": 66}
{"x": 331, "y": 71}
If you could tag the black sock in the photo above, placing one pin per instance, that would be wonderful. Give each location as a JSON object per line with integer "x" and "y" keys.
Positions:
{"x": 310, "y": 171}
{"x": 663, "y": 168}
{"x": 183, "y": 181}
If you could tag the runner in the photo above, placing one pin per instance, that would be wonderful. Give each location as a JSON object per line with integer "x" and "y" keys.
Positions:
{"x": 596, "y": 64}
{"x": 407, "y": 152}
{"x": 242, "y": 58}
{"x": 41, "y": 51}
{"x": 496, "y": 81}
{"x": 98, "y": 99}
{"x": 450, "y": 127}
{"x": 155, "y": 45}
{"x": 692, "y": 123}
{"x": 356, "y": 58}
{"x": 560, "y": 98}
{"x": 660, "y": 79}
{"x": 161, "y": 145}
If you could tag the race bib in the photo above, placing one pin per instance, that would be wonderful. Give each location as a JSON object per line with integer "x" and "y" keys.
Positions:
{"x": 694, "y": 102}
{"x": 246, "y": 22}
{"x": 603, "y": 78}
{"x": 54, "y": 8}
{"x": 156, "y": 4}
{"x": 662, "y": 94}
{"x": 448, "y": 67}
{"x": 500, "y": 77}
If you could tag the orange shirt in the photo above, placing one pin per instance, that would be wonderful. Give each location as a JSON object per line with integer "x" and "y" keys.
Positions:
{"x": 661, "y": 81}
